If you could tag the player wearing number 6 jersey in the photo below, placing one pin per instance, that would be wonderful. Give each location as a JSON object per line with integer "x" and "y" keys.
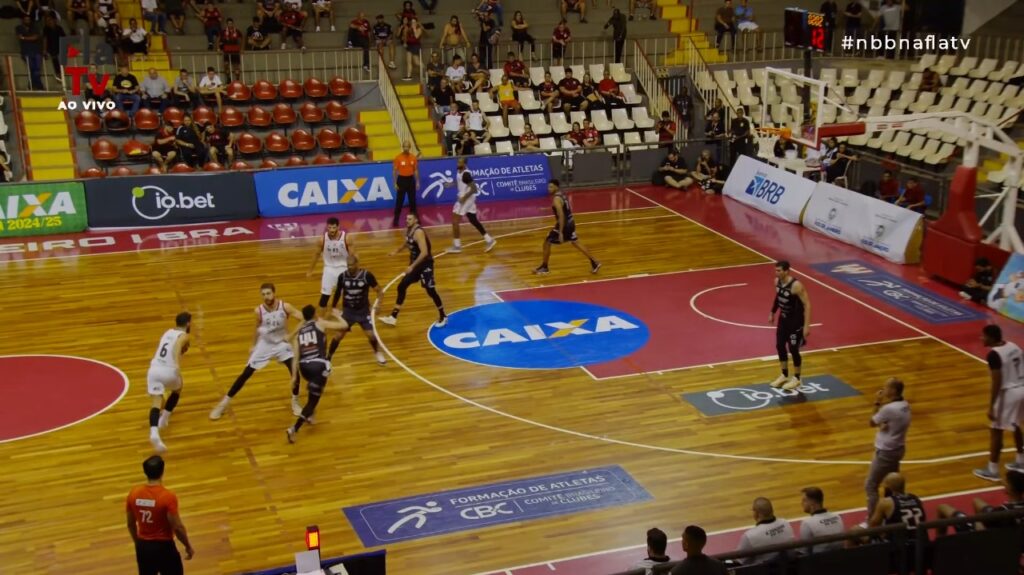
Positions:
{"x": 1006, "y": 400}
{"x": 165, "y": 375}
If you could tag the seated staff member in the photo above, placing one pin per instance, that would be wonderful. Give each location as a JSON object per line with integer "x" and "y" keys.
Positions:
{"x": 673, "y": 172}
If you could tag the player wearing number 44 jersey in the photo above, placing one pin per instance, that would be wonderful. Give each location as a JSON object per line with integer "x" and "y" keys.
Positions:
{"x": 165, "y": 375}
{"x": 309, "y": 360}
{"x": 794, "y": 325}
{"x": 1006, "y": 399}
{"x": 335, "y": 247}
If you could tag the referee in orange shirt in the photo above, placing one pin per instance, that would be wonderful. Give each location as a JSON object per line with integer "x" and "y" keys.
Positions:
{"x": 153, "y": 522}
{"x": 406, "y": 174}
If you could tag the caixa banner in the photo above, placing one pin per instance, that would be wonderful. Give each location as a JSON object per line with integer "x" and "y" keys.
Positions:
{"x": 369, "y": 186}
{"x": 42, "y": 209}
{"x": 169, "y": 200}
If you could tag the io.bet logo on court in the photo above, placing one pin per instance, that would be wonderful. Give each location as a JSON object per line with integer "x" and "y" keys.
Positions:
{"x": 154, "y": 203}
{"x": 540, "y": 334}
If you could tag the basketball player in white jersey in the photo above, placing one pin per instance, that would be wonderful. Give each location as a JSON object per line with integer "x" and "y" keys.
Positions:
{"x": 165, "y": 375}
{"x": 270, "y": 341}
{"x": 334, "y": 246}
{"x": 1006, "y": 373}
{"x": 465, "y": 205}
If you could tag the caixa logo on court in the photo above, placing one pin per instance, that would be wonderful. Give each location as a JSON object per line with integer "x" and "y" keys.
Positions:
{"x": 155, "y": 203}
{"x": 765, "y": 189}
{"x": 540, "y": 334}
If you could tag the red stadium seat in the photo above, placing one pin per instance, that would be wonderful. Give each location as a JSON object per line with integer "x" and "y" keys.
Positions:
{"x": 277, "y": 143}
{"x": 249, "y": 144}
{"x": 203, "y": 116}
{"x": 302, "y": 141}
{"x": 153, "y": 170}
{"x": 136, "y": 149}
{"x": 290, "y": 89}
{"x": 328, "y": 140}
{"x": 320, "y": 160}
{"x": 117, "y": 121}
{"x": 181, "y": 168}
{"x": 173, "y": 116}
{"x": 264, "y": 91}
{"x": 295, "y": 161}
{"x": 90, "y": 123}
{"x": 348, "y": 158}
{"x": 147, "y": 120}
{"x": 238, "y": 92}
{"x": 103, "y": 150}
{"x": 314, "y": 88}
{"x": 122, "y": 171}
{"x": 213, "y": 167}
{"x": 355, "y": 139}
{"x": 268, "y": 163}
{"x": 231, "y": 117}
{"x": 239, "y": 165}
{"x": 259, "y": 118}
{"x": 340, "y": 87}
{"x": 336, "y": 111}
{"x": 283, "y": 115}
{"x": 311, "y": 113}
{"x": 93, "y": 173}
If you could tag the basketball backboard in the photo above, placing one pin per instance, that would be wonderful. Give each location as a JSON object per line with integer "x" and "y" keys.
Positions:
{"x": 796, "y": 102}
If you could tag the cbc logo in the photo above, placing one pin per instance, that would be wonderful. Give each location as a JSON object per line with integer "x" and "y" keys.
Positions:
{"x": 743, "y": 399}
{"x": 485, "y": 511}
{"x": 154, "y": 202}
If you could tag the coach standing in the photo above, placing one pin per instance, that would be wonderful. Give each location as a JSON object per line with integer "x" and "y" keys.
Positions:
{"x": 892, "y": 418}
{"x": 153, "y": 522}
{"x": 406, "y": 175}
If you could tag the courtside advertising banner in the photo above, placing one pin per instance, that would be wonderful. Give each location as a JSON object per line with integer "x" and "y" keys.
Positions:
{"x": 42, "y": 209}
{"x": 871, "y": 224}
{"x": 370, "y": 186}
{"x": 1007, "y": 295}
{"x": 142, "y": 201}
{"x": 777, "y": 192}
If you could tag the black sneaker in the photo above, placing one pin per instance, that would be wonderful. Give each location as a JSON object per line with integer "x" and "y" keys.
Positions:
{"x": 594, "y": 266}
{"x": 542, "y": 271}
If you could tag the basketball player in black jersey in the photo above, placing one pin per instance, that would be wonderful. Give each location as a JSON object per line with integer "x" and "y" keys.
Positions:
{"x": 354, "y": 286}
{"x": 421, "y": 269}
{"x": 794, "y": 326}
{"x": 1014, "y": 487}
{"x": 309, "y": 344}
{"x": 897, "y": 506}
{"x": 564, "y": 230}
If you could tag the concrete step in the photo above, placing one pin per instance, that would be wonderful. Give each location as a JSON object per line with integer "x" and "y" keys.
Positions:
{"x": 378, "y": 129}
{"x": 374, "y": 117}
{"x": 408, "y": 89}
{"x": 46, "y": 130}
{"x": 54, "y": 159}
{"x": 51, "y": 144}
{"x": 412, "y": 102}
{"x": 682, "y": 25}
{"x": 674, "y": 12}
{"x": 66, "y": 172}
{"x": 40, "y": 102}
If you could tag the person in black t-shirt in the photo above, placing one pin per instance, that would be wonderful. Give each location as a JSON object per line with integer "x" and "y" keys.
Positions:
{"x": 657, "y": 541}
{"x": 976, "y": 289}
{"x": 126, "y": 90}
{"x": 741, "y": 137}
{"x": 571, "y": 92}
{"x": 384, "y": 38}
{"x": 354, "y": 285}
{"x": 220, "y": 144}
{"x": 696, "y": 562}
{"x": 1014, "y": 488}
{"x": 673, "y": 172}
{"x": 309, "y": 362}
{"x": 190, "y": 145}
{"x": 31, "y": 50}
{"x": 255, "y": 38}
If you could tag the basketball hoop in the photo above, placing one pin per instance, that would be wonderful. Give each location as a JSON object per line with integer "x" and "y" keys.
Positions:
{"x": 766, "y": 137}
{"x": 769, "y": 131}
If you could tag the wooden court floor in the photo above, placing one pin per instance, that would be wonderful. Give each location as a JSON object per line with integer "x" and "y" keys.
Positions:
{"x": 246, "y": 494}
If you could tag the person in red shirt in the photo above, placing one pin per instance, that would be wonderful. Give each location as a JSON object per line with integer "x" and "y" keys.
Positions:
{"x": 231, "y": 46}
{"x": 359, "y": 37}
{"x": 888, "y": 188}
{"x": 591, "y": 137}
{"x": 548, "y": 92}
{"x": 291, "y": 23}
{"x": 559, "y": 40}
{"x": 666, "y": 130}
{"x": 913, "y": 197}
{"x": 516, "y": 70}
{"x": 610, "y": 93}
{"x": 211, "y": 17}
{"x": 571, "y": 92}
{"x": 575, "y": 136}
{"x": 529, "y": 140}
{"x": 153, "y": 522}
{"x": 575, "y": 6}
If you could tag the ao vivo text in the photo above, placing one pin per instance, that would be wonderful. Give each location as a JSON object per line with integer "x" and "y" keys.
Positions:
{"x": 98, "y": 85}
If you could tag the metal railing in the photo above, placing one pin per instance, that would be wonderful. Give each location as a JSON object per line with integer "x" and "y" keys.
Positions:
{"x": 277, "y": 65}
{"x": 394, "y": 106}
{"x": 649, "y": 79}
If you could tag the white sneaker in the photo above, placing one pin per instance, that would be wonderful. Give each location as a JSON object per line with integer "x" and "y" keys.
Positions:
{"x": 455, "y": 250}
{"x": 165, "y": 419}
{"x": 441, "y": 322}
{"x": 291, "y": 435}
{"x": 317, "y": 28}
{"x": 964, "y": 295}
{"x": 218, "y": 410}
{"x": 779, "y": 381}
{"x": 158, "y": 445}
{"x": 311, "y": 420}
{"x": 332, "y": 28}
{"x": 296, "y": 407}
{"x": 392, "y": 66}
{"x": 791, "y": 384}
{"x": 490, "y": 245}
{"x": 381, "y": 360}
{"x": 388, "y": 319}
{"x": 284, "y": 45}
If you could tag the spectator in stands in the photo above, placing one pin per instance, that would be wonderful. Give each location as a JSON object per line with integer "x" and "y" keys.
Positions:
{"x": 30, "y": 45}
{"x": 113, "y": 38}
{"x": 190, "y": 144}
{"x": 515, "y": 71}
{"x": 164, "y": 147}
{"x": 495, "y": 8}
{"x": 617, "y": 22}
{"x": 890, "y": 16}
{"x": 718, "y": 108}
{"x": 505, "y": 94}
{"x": 696, "y": 562}
{"x": 466, "y": 142}
{"x": 291, "y": 24}
{"x": 325, "y": 9}
{"x": 456, "y": 74}
{"x": 175, "y": 10}
{"x": 853, "y": 13}
{"x": 930, "y": 81}
{"x": 454, "y": 35}
{"x": 126, "y": 90}
{"x": 435, "y": 70}
{"x": 6, "y": 173}
{"x": 976, "y": 289}
{"x": 211, "y": 18}
{"x": 407, "y": 12}
{"x": 451, "y": 125}
{"x": 897, "y": 506}
{"x": 657, "y": 542}
{"x": 709, "y": 173}
{"x": 104, "y": 96}
{"x": 666, "y": 128}
{"x": 27, "y": 9}
{"x": 443, "y": 97}
{"x": 267, "y": 12}
{"x": 105, "y": 13}
{"x": 157, "y": 19}
{"x": 211, "y": 87}
{"x": 888, "y": 188}
{"x": 429, "y": 6}
{"x": 821, "y": 522}
{"x": 155, "y": 89}
{"x": 528, "y": 141}
{"x": 635, "y": 4}
{"x": 134, "y": 39}
{"x": 560, "y": 41}
{"x": 725, "y": 23}
{"x": 892, "y": 418}
{"x": 591, "y": 137}
{"x": 478, "y": 74}
{"x": 52, "y": 33}
{"x": 80, "y": 10}
{"x": 521, "y": 32}
{"x": 255, "y": 38}
{"x": 837, "y": 166}
{"x": 476, "y": 122}
{"x": 913, "y": 196}
{"x": 768, "y": 530}
{"x": 579, "y": 6}
{"x": 184, "y": 90}
{"x": 610, "y": 92}
{"x": 231, "y": 48}
{"x": 221, "y": 144}
{"x": 1013, "y": 486}
{"x": 383, "y": 39}
{"x": 673, "y": 172}
{"x": 412, "y": 39}
{"x": 591, "y": 93}
{"x": 296, "y": 5}
{"x": 490, "y": 35}
{"x": 570, "y": 91}
{"x": 684, "y": 105}
{"x": 745, "y": 18}
{"x": 782, "y": 145}
{"x": 574, "y": 136}
{"x": 548, "y": 91}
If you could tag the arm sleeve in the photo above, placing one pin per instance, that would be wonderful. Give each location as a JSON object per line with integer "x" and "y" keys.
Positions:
{"x": 371, "y": 280}
{"x": 994, "y": 361}
{"x": 172, "y": 503}
{"x": 880, "y": 417}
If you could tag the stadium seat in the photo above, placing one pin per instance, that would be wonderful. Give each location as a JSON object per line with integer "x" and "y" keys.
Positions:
{"x": 539, "y": 123}
{"x": 290, "y": 89}
{"x": 487, "y": 104}
{"x": 504, "y": 147}
{"x": 93, "y": 173}
{"x": 264, "y": 91}
{"x": 152, "y": 171}
{"x": 284, "y": 115}
{"x": 322, "y": 159}
{"x": 601, "y": 121}
{"x": 621, "y": 120}
{"x": 559, "y": 124}
{"x": 497, "y": 127}
{"x": 103, "y": 150}
{"x": 1009, "y": 70}
{"x": 926, "y": 61}
{"x": 231, "y": 117}
{"x": 88, "y": 123}
{"x": 548, "y": 144}
{"x": 295, "y": 161}
{"x": 213, "y": 167}
{"x": 204, "y": 115}
{"x": 314, "y": 88}
{"x": 277, "y": 143}
{"x": 528, "y": 101}
{"x": 258, "y": 117}
{"x": 516, "y": 124}
{"x": 181, "y": 168}
{"x": 122, "y": 171}
{"x": 238, "y": 92}
{"x": 136, "y": 149}
{"x": 464, "y": 98}
{"x": 116, "y": 121}
{"x": 340, "y": 87}
{"x": 355, "y": 139}
{"x": 483, "y": 148}
{"x": 249, "y": 144}
{"x": 336, "y": 111}
{"x": 641, "y": 118}
{"x": 147, "y": 120}
{"x": 173, "y": 116}
{"x": 328, "y": 140}
{"x": 303, "y": 141}
{"x": 966, "y": 65}
{"x": 612, "y": 140}
{"x": 619, "y": 73}
{"x": 537, "y": 75}
{"x": 875, "y": 78}
{"x": 557, "y": 73}
{"x": 348, "y": 158}
{"x": 238, "y": 165}
{"x": 311, "y": 113}
{"x": 267, "y": 163}
{"x": 633, "y": 141}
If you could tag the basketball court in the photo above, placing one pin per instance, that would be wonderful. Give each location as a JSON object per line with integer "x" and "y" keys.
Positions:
{"x": 570, "y": 379}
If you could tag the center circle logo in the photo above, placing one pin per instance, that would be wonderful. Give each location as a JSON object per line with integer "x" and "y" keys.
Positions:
{"x": 162, "y": 202}
{"x": 540, "y": 334}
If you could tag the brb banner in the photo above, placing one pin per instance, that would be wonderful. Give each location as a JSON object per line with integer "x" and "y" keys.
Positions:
{"x": 873, "y": 225}
{"x": 42, "y": 209}
{"x": 777, "y": 192}
{"x": 169, "y": 200}
{"x": 350, "y": 187}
